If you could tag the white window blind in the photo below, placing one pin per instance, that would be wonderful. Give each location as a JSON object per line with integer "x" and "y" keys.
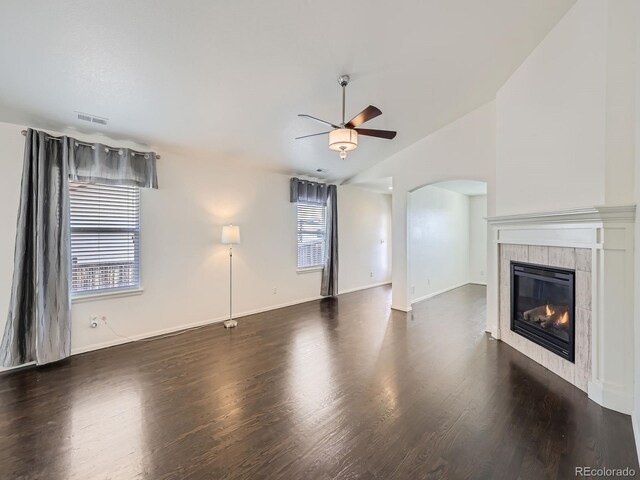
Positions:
{"x": 312, "y": 230}
{"x": 105, "y": 238}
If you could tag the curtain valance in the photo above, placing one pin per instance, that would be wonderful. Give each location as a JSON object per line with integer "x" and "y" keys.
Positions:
{"x": 99, "y": 163}
{"x": 307, "y": 191}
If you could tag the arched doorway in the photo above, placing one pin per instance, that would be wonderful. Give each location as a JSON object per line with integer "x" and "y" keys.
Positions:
{"x": 446, "y": 237}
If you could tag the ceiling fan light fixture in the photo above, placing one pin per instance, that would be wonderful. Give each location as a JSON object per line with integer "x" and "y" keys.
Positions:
{"x": 344, "y": 136}
{"x": 343, "y": 140}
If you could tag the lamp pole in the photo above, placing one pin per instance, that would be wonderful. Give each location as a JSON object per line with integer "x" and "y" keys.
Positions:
{"x": 230, "y": 236}
{"x": 231, "y": 322}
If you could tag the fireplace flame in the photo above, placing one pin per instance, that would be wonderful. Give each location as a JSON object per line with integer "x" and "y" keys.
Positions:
{"x": 548, "y": 311}
{"x": 564, "y": 318}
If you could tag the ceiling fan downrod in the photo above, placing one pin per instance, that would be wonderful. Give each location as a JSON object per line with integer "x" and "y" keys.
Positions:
{"x": 343, "y": 80}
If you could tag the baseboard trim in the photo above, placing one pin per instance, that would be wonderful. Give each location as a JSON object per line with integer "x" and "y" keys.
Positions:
{"x": 17, "y": 367}
{"x": 493, "y": 332}
{"x": 401, "y": 309}
{"x": 366, "y": 287}
{"x": 439, "y": 292}
{"x": 477, "y": 283}
{"x": 189, "y": 326}
{"x": 613, "y": 396}
{"x": 148, "y": 335}
{"x": 167, "y": 331}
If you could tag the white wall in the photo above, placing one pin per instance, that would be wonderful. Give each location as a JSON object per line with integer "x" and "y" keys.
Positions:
{"x": 551, "y": 119}
{"x": 438, "y": 241}
{"x": 365, "y": 252}
{"x": 447, "y": 240}
{"x": 621, "y": 93}
{"x": 565, "y": 117}
{"x": 183, "y": 265}
{"x": 636, "y": 413}
{"x": 464, "y": 149}
{"x": 478, "y": 239}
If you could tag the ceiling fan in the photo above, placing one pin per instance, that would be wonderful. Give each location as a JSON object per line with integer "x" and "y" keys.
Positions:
{"x": 344, "y": 136}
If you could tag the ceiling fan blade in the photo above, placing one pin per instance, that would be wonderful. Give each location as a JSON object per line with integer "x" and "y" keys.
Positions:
{"x": 388, "y": 134}
{"x": 318, "y": 120}
{"x": 312, "y": 135}
{"x": 364, "y": 116}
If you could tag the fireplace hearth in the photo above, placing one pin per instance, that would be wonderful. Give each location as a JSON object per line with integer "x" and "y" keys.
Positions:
{"x": 543, "y": 308}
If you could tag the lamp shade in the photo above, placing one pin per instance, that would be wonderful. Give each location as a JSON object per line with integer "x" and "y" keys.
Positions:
{"x": 231, "y": 234}
{"x": 343, "y": 139}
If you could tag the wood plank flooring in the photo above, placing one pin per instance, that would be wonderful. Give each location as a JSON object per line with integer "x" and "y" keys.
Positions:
{"x": 331, "y": 389}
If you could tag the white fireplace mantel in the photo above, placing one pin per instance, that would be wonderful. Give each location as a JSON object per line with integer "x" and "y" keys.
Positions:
{"x": 624, "y": 213}
{"x": 609, "y": 233}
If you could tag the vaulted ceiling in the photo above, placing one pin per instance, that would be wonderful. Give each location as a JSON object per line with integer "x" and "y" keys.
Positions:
{"x": 225, "y": 80}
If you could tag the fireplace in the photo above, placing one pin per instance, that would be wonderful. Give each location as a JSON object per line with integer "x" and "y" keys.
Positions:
{"x": 542, "y": 306}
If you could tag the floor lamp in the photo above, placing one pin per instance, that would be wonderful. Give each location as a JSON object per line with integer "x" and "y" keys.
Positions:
{"x": 231, "y": 237}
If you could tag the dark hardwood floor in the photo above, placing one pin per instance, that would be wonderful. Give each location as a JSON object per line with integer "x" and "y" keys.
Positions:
{"x": 330, "y": 389}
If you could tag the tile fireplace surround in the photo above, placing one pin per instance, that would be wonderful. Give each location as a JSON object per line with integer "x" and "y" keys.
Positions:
{"x": 578, "y": 259}
{"x": 598, "y": 244}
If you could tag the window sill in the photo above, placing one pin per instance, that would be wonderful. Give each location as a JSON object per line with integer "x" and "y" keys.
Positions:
{"x": 94, "y": 297}
{"x": 310, "y": 269}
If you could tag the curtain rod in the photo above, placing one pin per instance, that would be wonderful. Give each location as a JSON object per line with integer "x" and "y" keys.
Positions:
{"x": 24, "y": 134}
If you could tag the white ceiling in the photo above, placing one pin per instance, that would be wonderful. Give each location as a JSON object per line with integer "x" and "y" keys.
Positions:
{"x": 466, "y": 187}
{"x": 377, "y": 185}
{"x": 225, "y": 80}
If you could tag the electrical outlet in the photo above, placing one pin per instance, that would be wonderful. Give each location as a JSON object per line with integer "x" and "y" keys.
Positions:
{"x": 371, "y": 274}
{"x": 93, "y": 321}
{"x": 428, "y": 281}
{"x": 275, "y": 291}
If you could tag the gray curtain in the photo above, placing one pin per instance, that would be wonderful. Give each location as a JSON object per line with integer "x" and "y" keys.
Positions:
{"x": 306, "y": 191}
{"x": 38, "y": 327}
{"x": 330, "y": 272}
{"x": 97, "y": 163}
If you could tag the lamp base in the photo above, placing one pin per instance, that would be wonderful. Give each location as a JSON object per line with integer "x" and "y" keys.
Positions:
{"x": 230, "y": 323}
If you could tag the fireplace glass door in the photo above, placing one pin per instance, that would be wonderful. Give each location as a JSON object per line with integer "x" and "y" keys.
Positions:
{"x": 542, "y": 306}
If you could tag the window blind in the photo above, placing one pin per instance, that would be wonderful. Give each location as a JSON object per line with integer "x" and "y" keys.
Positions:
{"x": 312, "y": 230}
{"x": 105, "y": 238}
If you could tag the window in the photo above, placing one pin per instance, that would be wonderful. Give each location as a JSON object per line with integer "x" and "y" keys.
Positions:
{"x": 105, "y": 238}
{"x": 311, "y": 235}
